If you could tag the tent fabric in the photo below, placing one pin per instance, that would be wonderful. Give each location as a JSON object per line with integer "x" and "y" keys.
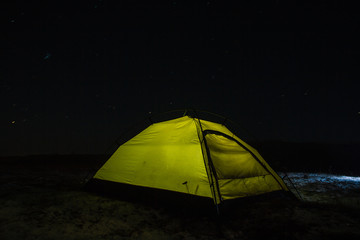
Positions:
{"x": 191, "y": 156}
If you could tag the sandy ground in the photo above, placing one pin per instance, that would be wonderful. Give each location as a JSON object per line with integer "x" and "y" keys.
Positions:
{"x": 49, "y": 201}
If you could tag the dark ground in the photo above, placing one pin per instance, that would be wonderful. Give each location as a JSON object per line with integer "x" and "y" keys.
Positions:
{"x": 44, "y": 197}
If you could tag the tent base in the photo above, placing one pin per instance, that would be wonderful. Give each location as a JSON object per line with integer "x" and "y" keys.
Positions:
{"x": 178, "y": 202}
{"x": 150, "y": 196}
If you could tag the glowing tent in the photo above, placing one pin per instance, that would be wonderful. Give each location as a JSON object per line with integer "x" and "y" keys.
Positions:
{"x": 191, "y": 156}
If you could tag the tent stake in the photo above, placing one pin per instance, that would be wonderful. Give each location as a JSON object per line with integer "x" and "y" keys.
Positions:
{"x": 217, "y": 209}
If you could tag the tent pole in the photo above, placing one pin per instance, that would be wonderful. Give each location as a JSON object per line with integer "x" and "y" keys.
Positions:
{"x": 212, "y": 178}
{"x": 287, "y": 176}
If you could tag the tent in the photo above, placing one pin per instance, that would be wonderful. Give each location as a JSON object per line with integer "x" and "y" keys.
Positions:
{"x": 191, "y": 156}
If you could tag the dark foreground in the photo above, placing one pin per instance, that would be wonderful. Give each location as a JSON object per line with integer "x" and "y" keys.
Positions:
{"x": 44, "y": 198}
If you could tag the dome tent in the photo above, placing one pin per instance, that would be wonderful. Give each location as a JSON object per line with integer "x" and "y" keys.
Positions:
{"x": 193, "y": 156}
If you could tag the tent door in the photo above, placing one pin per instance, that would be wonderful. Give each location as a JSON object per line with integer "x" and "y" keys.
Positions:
{"x": 231, "y": 162}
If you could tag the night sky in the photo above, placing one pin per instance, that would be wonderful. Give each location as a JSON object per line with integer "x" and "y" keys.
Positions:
{"x": 75, "y": 74}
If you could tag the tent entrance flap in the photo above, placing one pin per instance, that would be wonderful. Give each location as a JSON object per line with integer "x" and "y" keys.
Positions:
{"x": 238, "y": 173}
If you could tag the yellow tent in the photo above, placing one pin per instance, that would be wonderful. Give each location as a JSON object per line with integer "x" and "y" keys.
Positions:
{"x": 192, "y": 156}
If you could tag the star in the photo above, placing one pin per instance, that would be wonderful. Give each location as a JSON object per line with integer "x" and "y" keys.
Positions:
{"x": 47, "y": 56}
